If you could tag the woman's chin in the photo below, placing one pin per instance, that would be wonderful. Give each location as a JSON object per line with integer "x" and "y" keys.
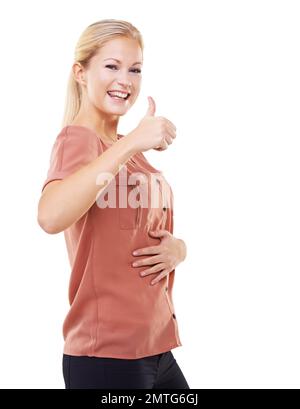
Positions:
{"x": 117, "y": 110}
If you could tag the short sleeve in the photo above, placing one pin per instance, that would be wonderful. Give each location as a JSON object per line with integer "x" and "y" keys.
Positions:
{"x": 72, "y": 149}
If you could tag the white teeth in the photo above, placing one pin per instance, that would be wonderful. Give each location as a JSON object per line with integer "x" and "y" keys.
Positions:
{"x": 117, "y": 94}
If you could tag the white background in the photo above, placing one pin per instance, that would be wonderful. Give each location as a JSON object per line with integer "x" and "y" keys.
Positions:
{"x": 227, "y": 74}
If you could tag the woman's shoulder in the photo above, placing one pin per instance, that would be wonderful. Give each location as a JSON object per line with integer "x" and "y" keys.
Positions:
{"x": 76, "y": 130}
{"x": 79, "y": 136}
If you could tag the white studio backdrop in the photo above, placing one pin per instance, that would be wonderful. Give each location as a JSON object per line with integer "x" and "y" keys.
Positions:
{"x": 227, "y": 74}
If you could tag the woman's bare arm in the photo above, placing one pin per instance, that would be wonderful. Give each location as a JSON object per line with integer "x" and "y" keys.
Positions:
{"x": 65, "y": 201}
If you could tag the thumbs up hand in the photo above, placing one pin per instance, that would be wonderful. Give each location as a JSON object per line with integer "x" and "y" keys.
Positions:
{"x": 152, "y": 132}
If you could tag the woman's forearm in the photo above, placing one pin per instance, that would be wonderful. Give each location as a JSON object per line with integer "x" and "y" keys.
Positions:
{"x": 63, "y": 203}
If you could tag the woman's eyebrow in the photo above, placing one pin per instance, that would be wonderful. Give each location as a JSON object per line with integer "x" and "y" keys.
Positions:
{"x": 120, "y": 61}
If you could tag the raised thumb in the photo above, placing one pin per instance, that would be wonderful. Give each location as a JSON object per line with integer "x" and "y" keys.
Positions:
{"x": 151, "y": 107}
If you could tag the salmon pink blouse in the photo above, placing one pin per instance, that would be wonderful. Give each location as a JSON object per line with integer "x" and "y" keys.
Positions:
{"x": 114, "y": 312}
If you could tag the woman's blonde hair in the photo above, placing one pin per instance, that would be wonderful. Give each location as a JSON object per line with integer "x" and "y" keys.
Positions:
{"x": 90, "y": 42}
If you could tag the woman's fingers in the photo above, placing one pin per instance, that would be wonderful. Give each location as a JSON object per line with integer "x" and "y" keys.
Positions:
{"x": 152, "y": 270}
{"x": 168, "y": 139}
{"x": 147, "y": 261}
{"x": 171, "y": 125}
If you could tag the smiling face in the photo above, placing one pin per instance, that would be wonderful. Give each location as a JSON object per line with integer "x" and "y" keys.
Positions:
{"x": 105, "y": 74}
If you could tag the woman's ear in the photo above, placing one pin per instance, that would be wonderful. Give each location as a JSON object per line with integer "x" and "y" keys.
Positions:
{"x": 78, "y": 72}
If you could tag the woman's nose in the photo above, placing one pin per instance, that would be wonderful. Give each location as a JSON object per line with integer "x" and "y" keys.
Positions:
{"x": 126, "y": 85}
{"x": 125, "y": 82}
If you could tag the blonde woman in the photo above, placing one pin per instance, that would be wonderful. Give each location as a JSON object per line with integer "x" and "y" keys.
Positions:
{"x": 116, "y": 212}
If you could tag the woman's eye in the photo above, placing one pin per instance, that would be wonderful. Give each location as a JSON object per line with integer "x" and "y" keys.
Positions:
{"x": 137, "y": 70}
{"x": 110, "y": 66}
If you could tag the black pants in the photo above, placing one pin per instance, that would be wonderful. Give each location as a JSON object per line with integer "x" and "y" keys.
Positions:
{"x": 152, "y": 372}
